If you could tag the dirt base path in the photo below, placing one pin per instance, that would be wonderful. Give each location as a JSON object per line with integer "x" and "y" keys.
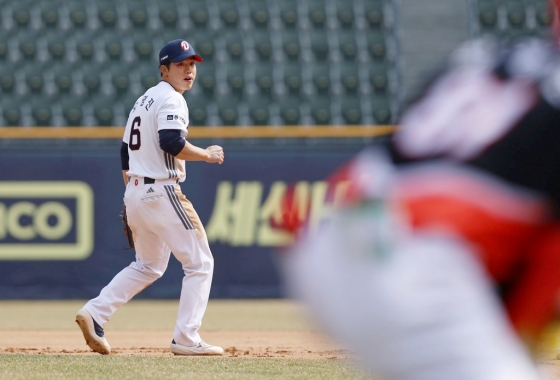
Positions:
{"x": 251, "y": 344}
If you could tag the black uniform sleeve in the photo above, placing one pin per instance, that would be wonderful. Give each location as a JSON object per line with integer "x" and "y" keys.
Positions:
{"x": 528, "y": 155}
{"x": 170, "y": 141}
{"x": 124, "y": 156}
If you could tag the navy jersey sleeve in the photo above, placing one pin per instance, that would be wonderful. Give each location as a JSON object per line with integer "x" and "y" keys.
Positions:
{"x": 124, "y": 156}
{"x": 170, "y": 141}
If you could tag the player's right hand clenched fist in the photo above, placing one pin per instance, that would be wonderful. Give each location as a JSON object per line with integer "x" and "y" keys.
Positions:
{"x": 215, "y": 154}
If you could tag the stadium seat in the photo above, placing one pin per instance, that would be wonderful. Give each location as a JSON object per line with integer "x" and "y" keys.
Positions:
{"x": 351, "y": 110}
{"x": 488, "y": 15}
{"x": 27, "y": 45}
{"x": 113, "y": 47}
{"x": 21, "y": 14}
{"x": 56, "y": 45}
{"x": 34, "y": 78}
{"x": 321, "y": 110}
{"x": 264, "y": 79}
{"x": 84, "y": 45}
{"x": 229, "y": 14}
{"x": 263, "y": 45}
{"x": 72, "y": 111}
{"x": 41, "y": 110}
{"x": 49, "y": 14}
{"x": 516, "y": 13}
{"x": 149, "y": 76}
{"x": 120, "y": 79}
{"x": 543, "y": 14}
{"x": 227, "y": 109}
{"x": 168, "y": 13}
{"x": 288, "y": 13}
{"x": 376, "y": 45}
{"x": 62, "y": 74}
{"x": 204, "y": 44}
{"x": 259, "y": 13}
{"x": 206, "y": 77}
{"x": 381, "y": 109}
{"x": 91, "y": 74}
{"x": 290, "y": 43}
{"x": 11, "y": 110}
{"x": 374, "y": 13}
{"x": 349, "y": 77}
{"x": 293, "y": 78}
{"x": 347, "y": 45}
{"x": 78, "y": 14}
{"x": 234, "y": 45}
{"x": 378, "y": 78}
{"x": 103, "y": 110}
{"x": 321, "y": 78}
{"x": 236, "y": 78}
{"x": 7, "y": 78}
{"x": 198, "y": 114}
{"x": 3, "y": 45}
{"x": 143, "y": 46}
{"x": 127, "y": 101}
{"x": 107, "y": 13}
{"x": 316, "y": 12}
{"x": 258, "y": 110}
{"x": 319, "y": 45}
{"x": 289, "y": 111}
{"x": 137, "y": 13}
{"x": 345, "y": 13}
{"x": 199, "y": 13}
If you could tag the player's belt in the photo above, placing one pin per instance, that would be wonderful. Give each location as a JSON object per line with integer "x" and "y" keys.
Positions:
{"x": 149, "y": 181}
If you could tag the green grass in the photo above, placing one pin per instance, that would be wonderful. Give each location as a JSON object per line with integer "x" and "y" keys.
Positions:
{"x": 70, "y": 367}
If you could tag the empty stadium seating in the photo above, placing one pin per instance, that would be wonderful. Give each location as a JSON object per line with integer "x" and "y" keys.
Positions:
{"x": 288, "y": 62}
{"x": 510, "y": 19}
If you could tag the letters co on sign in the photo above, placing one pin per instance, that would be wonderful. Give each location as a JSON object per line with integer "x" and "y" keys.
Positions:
{"x": 46, "y": 220}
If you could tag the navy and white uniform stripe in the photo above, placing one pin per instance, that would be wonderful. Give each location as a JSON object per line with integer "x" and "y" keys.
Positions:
{"x": 176, "y": 202}
{"x": 170, "y": 165}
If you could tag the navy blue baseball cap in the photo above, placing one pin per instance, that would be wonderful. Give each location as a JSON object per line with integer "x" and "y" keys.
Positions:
{"x": 177, "y": 51}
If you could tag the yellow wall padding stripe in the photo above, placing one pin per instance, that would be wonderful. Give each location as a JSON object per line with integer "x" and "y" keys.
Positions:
{"x": 202, "y": 132}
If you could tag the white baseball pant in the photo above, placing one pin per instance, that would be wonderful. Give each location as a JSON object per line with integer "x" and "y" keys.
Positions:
{"x": 163, "y": 221}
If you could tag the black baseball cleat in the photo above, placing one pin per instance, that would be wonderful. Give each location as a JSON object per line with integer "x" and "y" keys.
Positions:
{"x": 93, "y": 333}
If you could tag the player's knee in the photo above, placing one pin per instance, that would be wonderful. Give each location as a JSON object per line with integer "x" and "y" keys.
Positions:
{"x": 152, "y": 271}
{"x": 203, "y": 267}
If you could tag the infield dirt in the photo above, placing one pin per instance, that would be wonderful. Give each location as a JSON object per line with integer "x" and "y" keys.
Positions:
{"x": 268, "y": 328}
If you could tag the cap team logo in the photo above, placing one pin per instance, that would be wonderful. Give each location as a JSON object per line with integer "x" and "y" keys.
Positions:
{"x": 185, "y": 45}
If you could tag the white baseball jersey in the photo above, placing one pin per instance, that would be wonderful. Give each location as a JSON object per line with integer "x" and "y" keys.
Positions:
{"x": 161, "y": 107}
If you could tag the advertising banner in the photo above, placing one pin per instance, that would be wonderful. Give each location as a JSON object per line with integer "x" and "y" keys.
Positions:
{"x": 61, "y": 232}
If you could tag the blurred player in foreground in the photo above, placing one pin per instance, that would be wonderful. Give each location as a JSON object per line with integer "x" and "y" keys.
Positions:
{"x": 447, "y": 250}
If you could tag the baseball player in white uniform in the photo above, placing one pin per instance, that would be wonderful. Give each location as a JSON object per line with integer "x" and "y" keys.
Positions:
{"x": 153, "y": 153}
